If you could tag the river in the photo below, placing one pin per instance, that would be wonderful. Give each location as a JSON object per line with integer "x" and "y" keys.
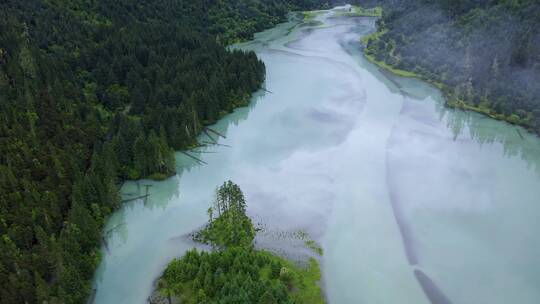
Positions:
{"x": 412, "y": 202}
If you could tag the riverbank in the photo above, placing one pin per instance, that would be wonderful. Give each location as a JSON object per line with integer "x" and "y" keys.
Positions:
{"x": 393, "y": 69}
{"x": 358, "y": 11}
{"x": 451, "y": 100}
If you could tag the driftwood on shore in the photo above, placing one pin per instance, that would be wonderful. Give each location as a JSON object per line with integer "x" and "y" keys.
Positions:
{"x": 105, "y": 244}
{"x": 519, "y": 133}
{"x": 195, "y": 158}
{"x": 211, "y": 138}
{"x": 215, "y": 132}
{"x": 135, "y": 198}
{"x": 196, "y": 151}
{"x": 217, "y": 144}
{"x": 92, "y": 297}
{"x": 114, "y": 228}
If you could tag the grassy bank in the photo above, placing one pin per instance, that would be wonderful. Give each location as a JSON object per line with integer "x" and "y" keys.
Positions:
{"x": 309, "y": 18}
{"x": 306, "y": 282}
{"x": 485, "y": 110}
{"x": 391, "y": 68}
{"x": 309, "y": 15}
{"x": 358, "y": 11}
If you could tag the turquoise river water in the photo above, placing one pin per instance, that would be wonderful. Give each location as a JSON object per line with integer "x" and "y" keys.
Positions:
{"x": 412, "y": 202}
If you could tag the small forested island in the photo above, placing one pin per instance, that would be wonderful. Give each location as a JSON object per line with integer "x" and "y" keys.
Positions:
{"x": 234, "y": 271}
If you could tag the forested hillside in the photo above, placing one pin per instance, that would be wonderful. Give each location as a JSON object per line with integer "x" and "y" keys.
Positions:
{"x": 94, "y": 92}
{"x": 485, "y": 54}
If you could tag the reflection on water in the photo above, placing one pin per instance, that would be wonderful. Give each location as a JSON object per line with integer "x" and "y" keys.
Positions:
{"x": 409, "y": 199}
{"x": 516, "y": 141}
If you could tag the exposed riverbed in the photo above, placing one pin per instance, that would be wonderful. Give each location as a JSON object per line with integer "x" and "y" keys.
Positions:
{"x": 412, "y": 202}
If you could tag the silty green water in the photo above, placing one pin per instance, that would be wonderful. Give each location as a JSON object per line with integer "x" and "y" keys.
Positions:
{"x": 412, "y": 202}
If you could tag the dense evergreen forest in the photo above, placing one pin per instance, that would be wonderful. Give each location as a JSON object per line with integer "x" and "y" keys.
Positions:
{"x": 95, "y": 92}
{"x": 235, "y": 272}
{"x": 485, "y": 55}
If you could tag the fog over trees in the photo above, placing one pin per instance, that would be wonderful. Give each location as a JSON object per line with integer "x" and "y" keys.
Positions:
{"x": 486, "y": 53}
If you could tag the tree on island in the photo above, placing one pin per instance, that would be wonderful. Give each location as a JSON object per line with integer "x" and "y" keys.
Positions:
{"x": 231, "y": 227}
{"x": 235, "y": 272}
